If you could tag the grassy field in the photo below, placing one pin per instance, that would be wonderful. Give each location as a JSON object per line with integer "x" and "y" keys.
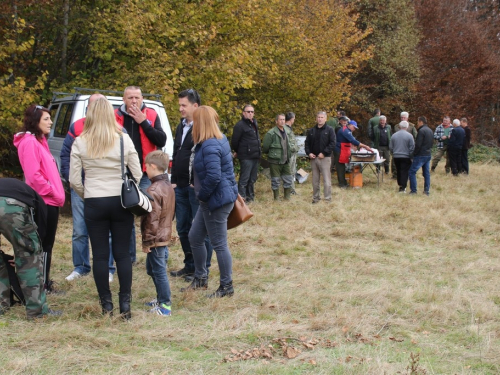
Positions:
{"x": 373, "y": 283}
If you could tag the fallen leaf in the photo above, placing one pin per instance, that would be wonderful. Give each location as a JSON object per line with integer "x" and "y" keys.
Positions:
{"x": 291, "y": 352}
{"x": 396, "y": 340}
{"x": 312, "y": 362}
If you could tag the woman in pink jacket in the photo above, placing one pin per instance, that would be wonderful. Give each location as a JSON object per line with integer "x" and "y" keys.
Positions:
{"x": 41, "y": 173}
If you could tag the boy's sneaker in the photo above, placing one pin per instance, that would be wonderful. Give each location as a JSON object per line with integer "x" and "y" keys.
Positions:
{"x": 162, "y": 310}
{"x": 152, "y": 303}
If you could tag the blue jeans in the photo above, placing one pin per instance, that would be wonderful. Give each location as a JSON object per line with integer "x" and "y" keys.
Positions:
{"x": 186, "y": 206}
{"x": 423, "y": 162}
{"x": 215, "y": 225}
{"x": 144, "y": 183}
{"x": 80, "y": 239}
{"x": 248, "y": 175}
{"x": 155, "y": 267}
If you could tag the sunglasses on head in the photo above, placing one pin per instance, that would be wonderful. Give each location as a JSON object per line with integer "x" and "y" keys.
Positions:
{"x": 38, "y": 107}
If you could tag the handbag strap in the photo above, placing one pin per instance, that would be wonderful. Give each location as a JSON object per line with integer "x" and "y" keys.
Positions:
{"x": 121, "y": 158}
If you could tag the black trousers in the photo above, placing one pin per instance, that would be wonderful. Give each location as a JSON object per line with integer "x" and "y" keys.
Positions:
{"x": 402, "y": 167}
{"x": 455, "y": 155}
{"x": 48, "y": 240}
{"x": 465, "y": 161}
{"x": 102, "y": 216}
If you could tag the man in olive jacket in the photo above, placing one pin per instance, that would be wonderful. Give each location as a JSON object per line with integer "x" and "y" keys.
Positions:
{"x": 278, "y": 145}
{"x": 246, "y": 145}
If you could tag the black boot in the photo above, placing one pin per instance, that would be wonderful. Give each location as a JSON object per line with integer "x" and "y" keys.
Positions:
{"x": 106, "y": 305}
{"x": 223, "y": 291}
{"x": 124, "y": 299}
{"x": 196, "y": 284}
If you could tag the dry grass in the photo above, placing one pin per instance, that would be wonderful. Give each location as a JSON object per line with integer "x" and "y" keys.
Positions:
{"x": 375, "y": 277}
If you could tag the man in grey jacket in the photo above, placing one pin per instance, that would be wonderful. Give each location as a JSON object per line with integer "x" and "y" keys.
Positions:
{"x": 401, "y": 147}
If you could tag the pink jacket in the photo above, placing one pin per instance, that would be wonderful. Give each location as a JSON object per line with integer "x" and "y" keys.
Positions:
{"x": 40, "y": 168}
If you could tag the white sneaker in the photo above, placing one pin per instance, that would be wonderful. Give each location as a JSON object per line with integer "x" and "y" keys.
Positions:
{"x": 73, "y": 276}
{"x": 111, "y": 276}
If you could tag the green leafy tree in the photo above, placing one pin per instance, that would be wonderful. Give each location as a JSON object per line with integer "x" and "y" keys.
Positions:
{"x": 388, "y": 80}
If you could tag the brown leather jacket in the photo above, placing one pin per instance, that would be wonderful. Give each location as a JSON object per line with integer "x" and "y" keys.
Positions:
{"x": 156, "y": 227}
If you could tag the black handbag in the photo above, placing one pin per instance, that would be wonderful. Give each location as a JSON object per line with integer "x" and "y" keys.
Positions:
{"x": 133, "y": 198}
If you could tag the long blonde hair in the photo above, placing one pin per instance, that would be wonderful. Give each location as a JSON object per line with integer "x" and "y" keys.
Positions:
{"x": 205, "y": 124}
{"x": 101, "y": 129}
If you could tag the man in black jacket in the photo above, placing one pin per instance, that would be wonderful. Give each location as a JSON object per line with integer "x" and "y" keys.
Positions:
{"x": 422, "y": 156}
{"x": 319, "y": 146}
{"x": 186, "y": 204}
{"x": 246, "y": 145}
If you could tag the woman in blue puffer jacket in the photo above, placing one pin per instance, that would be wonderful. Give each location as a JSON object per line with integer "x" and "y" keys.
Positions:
{"x": 216, "y": 189}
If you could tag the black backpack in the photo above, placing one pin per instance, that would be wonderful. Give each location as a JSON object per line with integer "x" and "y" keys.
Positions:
{"x": 16, "y": 294}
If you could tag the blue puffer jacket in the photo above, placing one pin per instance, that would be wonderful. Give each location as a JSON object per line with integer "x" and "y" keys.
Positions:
{"x": 213, "y": 164}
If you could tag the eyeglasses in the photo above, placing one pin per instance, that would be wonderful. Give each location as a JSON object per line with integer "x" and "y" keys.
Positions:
{"x": 38, "y": 107}
{"x": 249, "y": 111}
{"x": 190, "y": 91}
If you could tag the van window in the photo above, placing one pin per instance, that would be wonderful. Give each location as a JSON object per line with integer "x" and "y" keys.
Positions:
{"x": 63, "y": 121}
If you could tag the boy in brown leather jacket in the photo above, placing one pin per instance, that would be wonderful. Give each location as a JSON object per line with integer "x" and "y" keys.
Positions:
{"x": 156, "y": 229}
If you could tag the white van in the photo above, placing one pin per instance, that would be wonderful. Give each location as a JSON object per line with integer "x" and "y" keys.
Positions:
{"x": 66, "y": 108}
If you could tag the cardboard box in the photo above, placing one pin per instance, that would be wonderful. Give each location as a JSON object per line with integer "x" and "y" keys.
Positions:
{"x": 301, "y": 176}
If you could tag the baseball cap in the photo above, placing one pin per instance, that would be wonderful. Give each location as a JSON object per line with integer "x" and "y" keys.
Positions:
{"x": 353, "y": 123}
{"x": 344, "y": 118}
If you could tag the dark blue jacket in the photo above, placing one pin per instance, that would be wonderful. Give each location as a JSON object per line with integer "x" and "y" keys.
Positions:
{"x": 213, "y": 165}
{"x": 457, "y": 137}
{"x": 344, "y": 135}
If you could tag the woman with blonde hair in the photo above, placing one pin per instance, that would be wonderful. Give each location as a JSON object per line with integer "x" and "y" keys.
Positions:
{"x": 97, "y": 153}
{"x": 216, "y": 189}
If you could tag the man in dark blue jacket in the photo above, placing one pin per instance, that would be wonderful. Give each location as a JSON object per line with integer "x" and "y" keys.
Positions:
{"x": 422, "y": 156}
{"x": 246, "y": 145}
{"x": 319, "y": 145}
{"x": 455, "y": 145}
{"x": 186, "y": 204}
{"x": 345, "y": 140}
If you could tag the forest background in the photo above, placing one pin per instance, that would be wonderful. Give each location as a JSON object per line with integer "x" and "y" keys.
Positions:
{"x": 428, "y": 57}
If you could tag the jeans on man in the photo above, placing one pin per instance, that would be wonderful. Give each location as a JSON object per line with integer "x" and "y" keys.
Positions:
{"x": 248, "y": 176}
{"x": 213, "y": 223}
{"x": 186, "y": 206}
{"x": 424, "y": 163}
{"x": 155, "y": 267}
{"x": 80, "y": 239}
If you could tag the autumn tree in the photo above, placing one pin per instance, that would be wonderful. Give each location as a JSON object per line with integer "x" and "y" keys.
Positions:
{"x": 460, "y": 65}
{"x": 388, "y": 80}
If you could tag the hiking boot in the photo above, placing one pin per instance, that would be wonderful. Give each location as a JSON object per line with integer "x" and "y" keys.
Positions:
{"x": 433, "y": 169}
{"x": 163, "y": 309}
{"x": 189, "y": 278}
{"x": 196, "y": 284}
{"x": 181, "y": 273}
{"x": 223, "y": 291}
{"x": 50, "y": 313}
